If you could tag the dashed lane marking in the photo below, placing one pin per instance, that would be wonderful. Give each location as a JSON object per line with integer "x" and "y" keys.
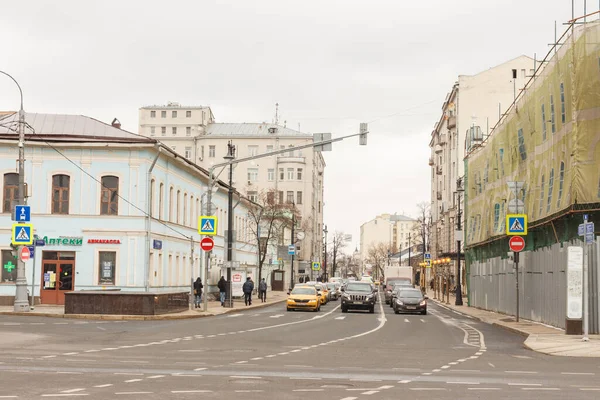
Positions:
{"x": 191, "y": 391}
{"x": 103, "y": 386}
{"x": 126, "y": 393}
{"x": 578, "y": 373}
{"x": 523, "y": 384}
{"x": 540, "y": 388}
{"x": 73, "y": 390}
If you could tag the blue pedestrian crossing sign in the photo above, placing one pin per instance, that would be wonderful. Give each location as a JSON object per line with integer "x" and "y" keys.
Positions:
{"x": 207, "y": 225}
{"x": 22, "y": 234}
{"x": 516, "y": 224}
{"x": 316, "y": 266}
{"x": 23, "y": 213}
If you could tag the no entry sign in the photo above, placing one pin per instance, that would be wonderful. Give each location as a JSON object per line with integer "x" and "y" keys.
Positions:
{"x": 207, "y": 244}
{"x": 516, "y": 243}
{"x": 24, "y": 254}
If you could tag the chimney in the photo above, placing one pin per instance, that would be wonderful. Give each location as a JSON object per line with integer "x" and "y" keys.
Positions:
{"x": 116, "y": 123}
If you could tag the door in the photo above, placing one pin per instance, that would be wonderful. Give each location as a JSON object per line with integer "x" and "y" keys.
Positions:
{"x": 65, "y": 280}
{"x": 57, "y": 279}
{"x": 49, "y": 293}
{"x": 277, "y": 281}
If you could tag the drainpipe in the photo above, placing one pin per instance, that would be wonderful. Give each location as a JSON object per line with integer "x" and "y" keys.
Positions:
{"x": 148, "y": 218}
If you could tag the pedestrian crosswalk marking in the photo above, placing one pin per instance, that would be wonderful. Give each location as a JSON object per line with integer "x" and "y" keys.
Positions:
{"x": 207, "y": 226}
{"x": 516, "y": 226}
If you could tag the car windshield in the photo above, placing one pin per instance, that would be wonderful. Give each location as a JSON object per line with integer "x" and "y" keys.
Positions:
{"x": 413, "y": 294}
{"x": 357, "y": 287}
{"x": 303, "y": 290}
{"x": 318, "y": 287}
{"x": 403, "y": 283}
{"x": 331, "y": 285}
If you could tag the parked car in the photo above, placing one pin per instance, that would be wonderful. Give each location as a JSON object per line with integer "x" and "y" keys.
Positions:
{"x": 303, "y": 298}
{"x": 411, "y": 301}
{"x": 358, "y": 296}
{"x": 389, "y": 293}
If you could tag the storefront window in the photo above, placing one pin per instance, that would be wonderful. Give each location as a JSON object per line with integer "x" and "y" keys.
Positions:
{"x": 107, "y": 267}
{"x": 9, "y": 267}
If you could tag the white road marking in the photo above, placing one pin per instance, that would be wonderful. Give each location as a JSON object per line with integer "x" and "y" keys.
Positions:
{"x": 521, "y": 356}
{"x": 491, "y": 365}
{"x": 590, "y": 389}
{"x": 132, "y": 380}
{"x": 235, "y": 315}
{"x": 404, "y": 381}
{"x": 73, "y": 390}
{"x": 370, "y": 392}
{"x": 524, "y": 384}
{"x": 406, "y": 320}
{"x": 453, "y": 363}
{"x": 349, "y": 398}
{"x": 191, "y": 391}
{"x": 428, "y": 389}
{"x": 128, "y": 373}
{"x": 521, "y": 372}
{"x": 48, "y": 356}
{"x": 256, "y": 358}
{"x": 464, "y": 383}
{"x": 577, "y": 373}
{"x": 155, "y": 376}
{"x": 276, "y": 316}
{"x": 118, "y": 393}
{"x": 484, "y": 388}
{"x": 135, "y": 362}
{"x": 422, "y": 320}
{"x": 199, "y": 369}
{"x": 436, "y": 370}
{"x": 65, "y": 394}
{"x": 70, "y": 373}
{"x": 245, "y": 377}
{"x": 445, "y": 366}
{"x": 341, "y": 317}
{"x": 8, "y": 397}
{"x": 426, "y": 373}
{"x": 308, "y": 390}
{"x": 306, "y": 379}
{"x": 103, "y": 386}
{"x": 540, "y": 388}
{"x": 242, "y": 362}
{"x": 249, "y": 391}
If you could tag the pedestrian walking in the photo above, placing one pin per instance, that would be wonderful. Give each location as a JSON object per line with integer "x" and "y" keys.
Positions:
{"x": 222, "y": 285}
{"x": 262, "y": 290}
{"x": 247, "y": 289}
{"x": 198, "y": 292}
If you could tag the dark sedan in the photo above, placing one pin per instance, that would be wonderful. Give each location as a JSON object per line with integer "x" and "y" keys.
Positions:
{"x": 389, "y": 294}
{"x": 410, "y": 301}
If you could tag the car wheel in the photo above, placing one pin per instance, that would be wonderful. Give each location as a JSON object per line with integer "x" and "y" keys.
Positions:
{"x": 372, "y": 310}
{"x": 424, "y": 312}
{"x": 396, "y": 312}
{"x": 344, "y": 309}
{"x": 289, "y": 309}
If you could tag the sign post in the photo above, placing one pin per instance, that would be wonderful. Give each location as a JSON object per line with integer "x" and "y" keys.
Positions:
{"x": 587, "y": 229}
{"x": 516, "y": 225}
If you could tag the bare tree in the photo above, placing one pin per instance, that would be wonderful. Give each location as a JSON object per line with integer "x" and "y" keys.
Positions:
{"x": 338, "y": 243}
{"x": 377, "y": 255}
{"x": 268, "y": 220}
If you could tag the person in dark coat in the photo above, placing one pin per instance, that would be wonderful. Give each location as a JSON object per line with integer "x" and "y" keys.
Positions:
{"x": 262, "y": 290}
{"x": 222, "y": 285}
{"x": 198, "y": 292}
{"x": 247, "y": 288}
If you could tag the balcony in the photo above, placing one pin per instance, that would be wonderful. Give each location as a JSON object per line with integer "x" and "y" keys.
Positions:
{"x": 284, "y": 158}
{"x": 438, "y": 148}
{"x": 431, "y": 161}
{"x": 452, "y": 121}
{"x": 438, "y": 170}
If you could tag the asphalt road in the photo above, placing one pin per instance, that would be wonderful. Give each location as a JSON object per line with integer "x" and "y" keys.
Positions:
{"x": 274, "y": 354}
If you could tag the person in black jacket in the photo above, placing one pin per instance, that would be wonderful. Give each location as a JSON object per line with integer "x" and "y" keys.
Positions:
{"x": 198, "y": 292}
{"x": 247, "y": 289}
{"x": 222, "y": 285}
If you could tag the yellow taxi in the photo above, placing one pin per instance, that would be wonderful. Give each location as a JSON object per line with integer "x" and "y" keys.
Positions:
{"x": 324, "y": 292}
{"x": 303, "y": 298}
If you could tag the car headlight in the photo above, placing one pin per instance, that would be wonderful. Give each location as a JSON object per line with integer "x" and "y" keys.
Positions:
{"x": 346, "y": 295}
{"x": 399, "y": 302}
{"x": 423, "y": 303}
{"x": 312, "y": 301}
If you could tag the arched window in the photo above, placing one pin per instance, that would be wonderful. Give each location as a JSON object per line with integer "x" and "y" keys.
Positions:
{"x": 198, "y": 211}
{"x": 161, "y": 200}
{"x": 177, "y": 216}
{"x": 185, "y": 207}
{"x": 550, "y": 187}
{"x": 152, "y": 187}
{"x": 11, "y": 191}
{"x": 60, "y": 194}
{"x": 561, "y": 179}
{"x": 191, "y": 209}
{"x": 109, "y": 200}
{"x": 171, "y": 204}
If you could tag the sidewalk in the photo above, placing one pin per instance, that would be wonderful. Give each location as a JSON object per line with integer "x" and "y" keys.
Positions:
{"x": 540, "y": 337}
{"x": 214, "y": 308}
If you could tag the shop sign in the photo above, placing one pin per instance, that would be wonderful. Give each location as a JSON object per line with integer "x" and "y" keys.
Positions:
{"x": 64, "y": 240}
{"x": 104, "y": 241}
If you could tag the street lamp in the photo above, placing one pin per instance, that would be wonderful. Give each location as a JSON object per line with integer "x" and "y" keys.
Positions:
{"x": 21, "y": 300}
{"x": 459, "y": 300}
{"x": 230, "y": 156}
{"x": 325, "y": 259}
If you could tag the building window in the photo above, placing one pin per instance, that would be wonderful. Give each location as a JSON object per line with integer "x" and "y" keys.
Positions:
{"x": 543, "y": 122}
{"x": 11, "y": 191}
{"x": 173, "y": 114}
{"x": 270, "y": 198}
{"x": 290, "y": 196}
{"x": 291, "y": 152}
{"x": 281, "y": 174}
{"x": 152, "y": 114}
{"x": 152, "y": 197}
{"x": 161, "y": 200}
{"x": 188, "y": 152}
{"x": 191, "y": 209}
{"x": 152, "y": 130}
{"x": 319, "y": 205}
{"x": 211, "y": 151}
{"x": 188, "y": 114}
{"x": 271, "y": 174}
{"x": 252, "y": 151}
{"x": 9, "y": 267}
{"x": 280, "y": 195}
{"x": 299, "y": 174}
{"x": 188, "y": 131}
{"x": 542, "y": 188}
{"x": 501, "y": 153}
{"x": 270, "y": 148}
{"x": 107, "y": 267}
{"x": 252, "y": 174}
{"x": 109, "y": 201}
{"x": 163, "y": 114}
{"x": 561, "y": 178}
{"x": 185, "y": 208}
{"x": 253, "y": 196}
{"x": 163, "y": 130}
{"x": 563, "y": 116}
{"x": 552, "y": 119}
{"x": 174, "y": 130}
{"x": 298, "y": 197}
{"x": 496, "y": 216}
{"x": 60, "y": 194}
{"x": 522, "y": 150}
{"x": 178, "y": 210}
{"x": 290, "y": 174}
{"x": 171, "y": 204}
{"x": 550, "y": 187}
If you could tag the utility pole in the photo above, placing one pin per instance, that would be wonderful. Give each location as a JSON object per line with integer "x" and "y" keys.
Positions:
{"x": 293, "y": 240}
{"x": 325, "y": 260}
{"x": 21, "y": 300}
{"x": 230, "y": 156}
{"x": 459, "y": 299}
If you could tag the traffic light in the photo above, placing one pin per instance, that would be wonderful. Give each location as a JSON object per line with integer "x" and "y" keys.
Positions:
{"x": 362, "y": 139}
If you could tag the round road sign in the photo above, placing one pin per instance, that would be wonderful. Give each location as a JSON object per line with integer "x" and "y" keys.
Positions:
{"x": 24, "y": 254}
{"x": 516, "y": 243}
{"x": 207, "y": 244}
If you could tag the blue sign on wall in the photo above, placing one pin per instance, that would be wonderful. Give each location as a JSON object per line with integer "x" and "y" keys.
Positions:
{"x": 157, "y": 244}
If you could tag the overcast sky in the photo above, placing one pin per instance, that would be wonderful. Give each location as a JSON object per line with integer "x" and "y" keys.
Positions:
{"x": 329, "y": 64}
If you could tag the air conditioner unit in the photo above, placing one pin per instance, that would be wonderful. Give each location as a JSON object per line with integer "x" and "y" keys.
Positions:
{"x": 272, "y": 130}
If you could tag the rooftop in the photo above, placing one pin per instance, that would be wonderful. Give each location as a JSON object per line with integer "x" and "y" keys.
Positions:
{"x": 66, "y": 127}
{"x": 253, "y": 129}
{"x": 172, "y": 105}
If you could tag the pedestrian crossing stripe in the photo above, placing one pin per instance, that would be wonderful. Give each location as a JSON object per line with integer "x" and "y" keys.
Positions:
{"x": 516, "y": 224}
{"x": 22, "y": 234}
{"x": 207, "y": 225}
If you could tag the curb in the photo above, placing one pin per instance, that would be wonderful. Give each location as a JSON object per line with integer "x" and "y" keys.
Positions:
{"x": 110, "y": 317}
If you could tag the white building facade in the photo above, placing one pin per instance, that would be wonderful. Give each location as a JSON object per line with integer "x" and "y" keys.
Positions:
{"x": 391, "y": 230}
{"x": 297, "y": 176}
{"x": 116, "y": 211}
